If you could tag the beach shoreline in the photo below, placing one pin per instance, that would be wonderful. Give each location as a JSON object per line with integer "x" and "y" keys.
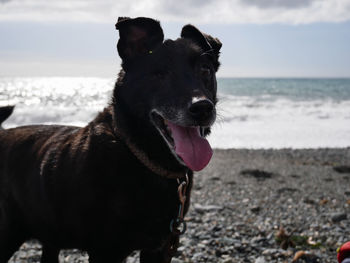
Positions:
{"x": 243, "y": 199}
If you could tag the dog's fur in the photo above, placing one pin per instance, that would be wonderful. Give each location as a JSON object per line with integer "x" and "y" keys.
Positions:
{"x": 86, "y": 188}
{"x": 5, "y": 112}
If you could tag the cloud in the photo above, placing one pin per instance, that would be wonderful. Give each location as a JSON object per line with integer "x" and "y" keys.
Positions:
{"x": 188, "y": 8}
{"x": 264, "y": 4}
{"x": 195, "y": 11}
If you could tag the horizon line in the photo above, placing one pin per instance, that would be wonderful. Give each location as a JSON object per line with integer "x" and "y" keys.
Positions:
{"x": 218, "y": 77}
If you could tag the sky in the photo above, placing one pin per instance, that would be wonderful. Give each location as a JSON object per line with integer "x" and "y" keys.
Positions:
{"x": 261, "y": 38}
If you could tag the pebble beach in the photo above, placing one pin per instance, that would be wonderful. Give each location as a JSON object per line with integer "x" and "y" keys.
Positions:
{"x": 259, "y": 206}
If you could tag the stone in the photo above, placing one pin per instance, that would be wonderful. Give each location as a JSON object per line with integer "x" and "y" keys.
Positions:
{"x": 271, "y": 251}
{"x": 260, "y": 260}
{"x": 258, "y": 174}
{"x": 176, "y": 260}
{"x": 207, "y": 208}
{"x": 342, "y": 169}
{"x": 337, "y": 217}
{"x": 255, "y": 209}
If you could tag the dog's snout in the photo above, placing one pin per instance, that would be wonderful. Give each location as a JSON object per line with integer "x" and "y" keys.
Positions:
{"x": 201, "y": 109}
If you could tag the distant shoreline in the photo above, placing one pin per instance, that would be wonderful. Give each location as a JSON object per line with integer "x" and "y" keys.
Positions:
{"x": 113, "y": 76}
{"x": 282, "y": 149}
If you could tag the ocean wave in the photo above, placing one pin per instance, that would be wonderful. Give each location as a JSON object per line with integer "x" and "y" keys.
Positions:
{"x": 256, "y": 121}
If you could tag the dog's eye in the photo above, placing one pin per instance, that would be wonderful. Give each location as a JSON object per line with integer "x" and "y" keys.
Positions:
{"x": 205, "y": 70}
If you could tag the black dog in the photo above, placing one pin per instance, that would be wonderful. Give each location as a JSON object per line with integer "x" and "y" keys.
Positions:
{"x": 119, "y": 184}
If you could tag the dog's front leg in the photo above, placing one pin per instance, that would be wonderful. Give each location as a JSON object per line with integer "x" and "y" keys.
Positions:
{"x": 50, "y": 254}
{"x": 110, "y": 256}
{"x": 158, "y": 256}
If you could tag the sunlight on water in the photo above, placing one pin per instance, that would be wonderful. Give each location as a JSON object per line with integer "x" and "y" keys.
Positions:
{"x": 70, "y": 101}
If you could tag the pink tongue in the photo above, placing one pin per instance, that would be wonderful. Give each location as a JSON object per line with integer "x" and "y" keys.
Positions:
{"x": 194, "y": 150}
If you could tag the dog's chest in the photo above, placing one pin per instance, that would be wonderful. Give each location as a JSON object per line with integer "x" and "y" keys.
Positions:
{"x": 140, "y": 213}
{"x": 153, "y": 200}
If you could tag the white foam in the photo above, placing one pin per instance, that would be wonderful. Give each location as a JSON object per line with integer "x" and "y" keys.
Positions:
{"x": 245, "y": 122}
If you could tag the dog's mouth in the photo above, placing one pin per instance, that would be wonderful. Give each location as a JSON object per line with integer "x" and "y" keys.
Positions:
{"x": 187, "y": 143}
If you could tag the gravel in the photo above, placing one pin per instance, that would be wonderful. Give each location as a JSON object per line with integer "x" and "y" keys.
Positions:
{"x": 259, "y": 206}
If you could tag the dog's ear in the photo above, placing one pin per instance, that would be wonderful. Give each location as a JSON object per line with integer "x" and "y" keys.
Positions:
{"x": 138, "y": 36}
{"x": 5, "y": 112}
{"x": 206, "y": 42}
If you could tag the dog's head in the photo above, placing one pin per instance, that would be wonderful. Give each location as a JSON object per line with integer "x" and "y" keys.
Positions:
{"x": 167, "y": 89}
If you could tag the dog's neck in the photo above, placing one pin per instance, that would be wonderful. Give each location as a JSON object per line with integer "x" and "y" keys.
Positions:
{"x": 118, "y": 121}
{"x": 146, "y": 161}
{"x": 107, "y": 116}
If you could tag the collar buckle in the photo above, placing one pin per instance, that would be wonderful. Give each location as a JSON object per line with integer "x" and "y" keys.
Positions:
{"x": 178, "y": 225}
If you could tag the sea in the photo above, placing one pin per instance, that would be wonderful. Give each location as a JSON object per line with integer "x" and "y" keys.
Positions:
{"x": 254, "y": 113}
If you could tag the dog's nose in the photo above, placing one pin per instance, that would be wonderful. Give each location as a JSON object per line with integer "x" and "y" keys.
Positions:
{"x": 201, "y": 109}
